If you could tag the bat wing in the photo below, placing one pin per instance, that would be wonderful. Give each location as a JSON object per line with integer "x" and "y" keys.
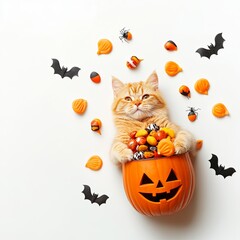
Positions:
{"x": 56, "y": 66}
{"x": 219, "y": 42}
{"x": 102, "y": 199}
{"x": 214, "y": 163}
{"x": 72, "y": 72}
{"x": 204, "y": 52}
{"x": 228, "y": 172}
{"x": 87, "y": 192}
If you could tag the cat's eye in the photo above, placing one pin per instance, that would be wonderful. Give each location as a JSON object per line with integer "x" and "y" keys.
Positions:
{"x": 128, "y": 99}
{"x": 145, "y": 96}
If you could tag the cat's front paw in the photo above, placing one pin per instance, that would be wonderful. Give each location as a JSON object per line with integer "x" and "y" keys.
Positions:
{"x": 180, "y": 147}
{"x": 126, "y": 155}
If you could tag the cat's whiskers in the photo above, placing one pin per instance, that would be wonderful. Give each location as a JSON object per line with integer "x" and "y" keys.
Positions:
{"x": 141, "y": 112}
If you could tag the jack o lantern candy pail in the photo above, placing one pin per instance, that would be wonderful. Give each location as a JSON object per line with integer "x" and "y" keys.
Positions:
{"x": 159, "y": 186}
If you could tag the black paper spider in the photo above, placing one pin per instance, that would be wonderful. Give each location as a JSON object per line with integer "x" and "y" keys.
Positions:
{"x": 125, "y": 35}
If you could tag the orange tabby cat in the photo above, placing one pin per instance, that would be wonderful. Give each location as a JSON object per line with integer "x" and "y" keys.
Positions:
{"x": 135, "y": 106}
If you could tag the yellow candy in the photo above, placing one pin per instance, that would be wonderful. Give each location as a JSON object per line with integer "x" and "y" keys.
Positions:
{"x": 141, "y": 133}
{"x": 142, "y": 148}
{"x": 148, "y": 154}
{"x": 168, "y": 138}
{"x": 169, "y": 131}
{"x": 152, "y": 140}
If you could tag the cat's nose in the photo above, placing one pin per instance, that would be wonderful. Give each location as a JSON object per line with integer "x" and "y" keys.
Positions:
{"x": 137, "y": 103}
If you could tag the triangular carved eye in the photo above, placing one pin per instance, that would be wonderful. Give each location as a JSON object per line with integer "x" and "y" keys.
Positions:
{"x": 171, "y": 176}
{"x": 159, "y": 185}
{"x": 145, "y": 180}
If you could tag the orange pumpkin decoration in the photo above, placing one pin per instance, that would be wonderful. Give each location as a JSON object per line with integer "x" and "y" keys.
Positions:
{"x": 159, "y": 186}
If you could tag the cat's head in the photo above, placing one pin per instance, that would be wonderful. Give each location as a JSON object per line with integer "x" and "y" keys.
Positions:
{"x": 137, "y": 100}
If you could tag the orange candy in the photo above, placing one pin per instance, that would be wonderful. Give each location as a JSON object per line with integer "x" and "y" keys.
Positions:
{"x": 199, "y": 144}
{"x": 104, "y": 46}
{"x": 94, "y": 163}
{"x": 166, "y": 148}
{"x": 185, "y": 91}
{"x": 219, "y": 110}
{"x": 96, "y": 125}
{"x": 172, "y": 68}
{"x": 95, "y": 77}
{"x": 79, "y": 106}
{"x": 170, "y": 46}
{"x": 133, "y": 62}
{"x": 202, "y": 86}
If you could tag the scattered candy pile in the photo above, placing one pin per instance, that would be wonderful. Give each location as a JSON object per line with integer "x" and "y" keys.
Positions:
{"x": 152, "y": 142}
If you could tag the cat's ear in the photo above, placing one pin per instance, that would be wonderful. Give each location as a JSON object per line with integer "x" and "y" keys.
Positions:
{"x": 117, "y": 85}
{"x": 153, "y": 80}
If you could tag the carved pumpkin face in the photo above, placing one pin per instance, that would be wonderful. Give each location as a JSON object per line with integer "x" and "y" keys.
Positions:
{"x": 156, "y": 191}
{"x": 159, "y": 186}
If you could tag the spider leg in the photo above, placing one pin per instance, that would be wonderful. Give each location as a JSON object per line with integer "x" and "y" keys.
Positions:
{"x": 122, "y": 30}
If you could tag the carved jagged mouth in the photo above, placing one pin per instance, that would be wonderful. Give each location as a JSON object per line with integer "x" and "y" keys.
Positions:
{"x": 160, "y": 196}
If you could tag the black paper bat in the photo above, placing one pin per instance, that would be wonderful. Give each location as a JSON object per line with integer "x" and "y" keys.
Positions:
{"x": 63, "y": 71}
{"x": 220, "y": 170}
{"x": 212, "y": 49}
{"x": 94, "y": 197}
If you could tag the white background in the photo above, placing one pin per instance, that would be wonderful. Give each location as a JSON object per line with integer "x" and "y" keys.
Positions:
{"x": 45, "y": 145}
